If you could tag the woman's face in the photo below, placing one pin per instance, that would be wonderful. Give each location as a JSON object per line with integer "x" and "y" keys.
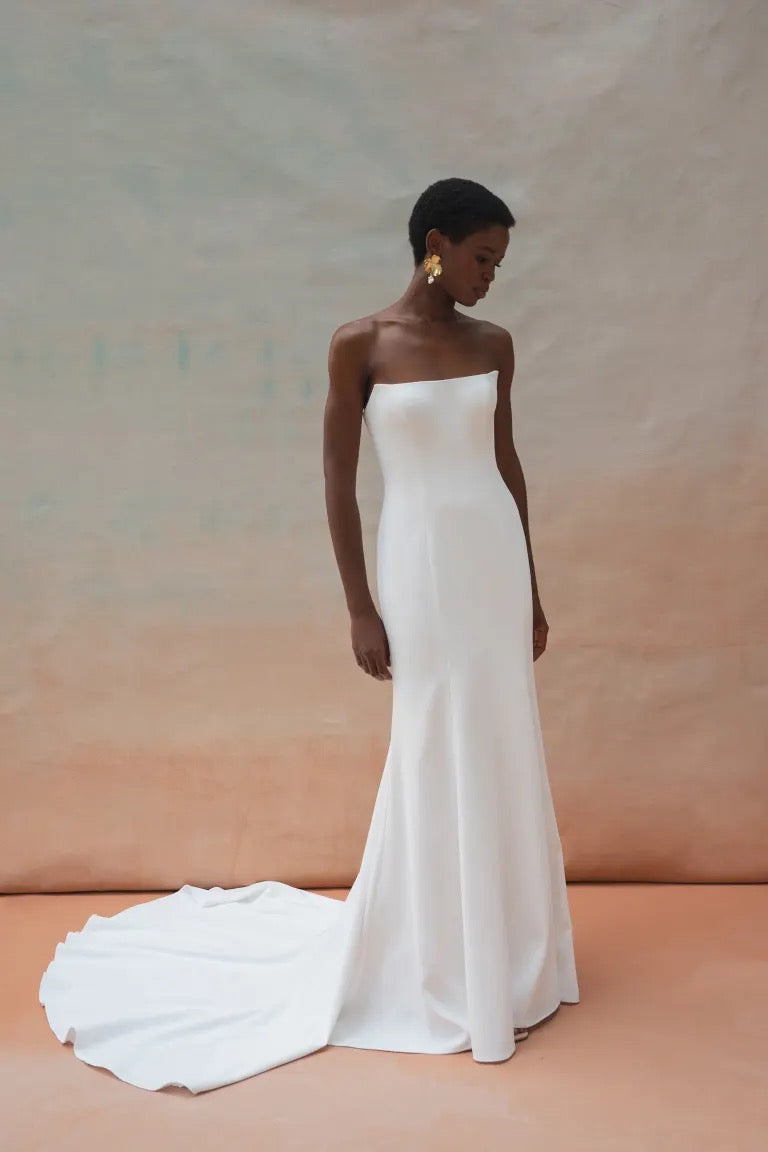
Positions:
{"x": 469, "y": 268}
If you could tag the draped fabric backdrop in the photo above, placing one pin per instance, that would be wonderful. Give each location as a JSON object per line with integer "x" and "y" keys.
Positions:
{"x": 193, "y": 197}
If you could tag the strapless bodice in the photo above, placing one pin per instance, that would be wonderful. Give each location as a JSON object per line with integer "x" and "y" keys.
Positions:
{"x": 435, "y": 435}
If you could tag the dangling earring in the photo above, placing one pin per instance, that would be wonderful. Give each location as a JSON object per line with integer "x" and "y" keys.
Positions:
{"x": 432, "y": 267}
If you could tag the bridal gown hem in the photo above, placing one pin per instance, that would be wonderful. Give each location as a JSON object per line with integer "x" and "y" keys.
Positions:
{"x": 456, "y": 929}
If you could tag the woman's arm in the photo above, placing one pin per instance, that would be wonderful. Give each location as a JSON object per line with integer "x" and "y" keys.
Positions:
{"x": 507, "y": 460}
{"x": 347, "y": 373}
{"x": 348, "y": 359}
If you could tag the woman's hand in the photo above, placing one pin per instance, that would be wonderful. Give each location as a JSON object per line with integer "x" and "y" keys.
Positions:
{"x": 370, "y": 644}
{"x": 540, "y": 629}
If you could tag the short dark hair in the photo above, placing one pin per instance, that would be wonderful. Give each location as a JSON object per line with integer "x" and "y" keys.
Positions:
{"x": 457, "y": 208}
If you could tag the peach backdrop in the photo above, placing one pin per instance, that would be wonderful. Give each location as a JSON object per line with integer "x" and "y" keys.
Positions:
{"x": 193, "y": 198}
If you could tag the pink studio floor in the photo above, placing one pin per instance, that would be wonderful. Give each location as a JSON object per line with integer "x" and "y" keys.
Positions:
{"x": 666, "y": 1051}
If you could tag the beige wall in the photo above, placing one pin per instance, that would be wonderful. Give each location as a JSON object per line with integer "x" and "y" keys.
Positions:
{"x": 193, "y": 198}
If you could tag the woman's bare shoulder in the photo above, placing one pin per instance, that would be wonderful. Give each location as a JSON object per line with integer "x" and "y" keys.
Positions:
{"x": 349, "y": 352}
{"x": 496, "y": 336}
{"x": 354, "y": 336}
{"x": 361, "y": 326}
{"x": 504, "y": 349}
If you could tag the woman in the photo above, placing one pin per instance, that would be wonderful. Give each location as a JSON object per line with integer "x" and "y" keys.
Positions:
{"x": 456, "y": 933}
{"x": 467, "y": 925}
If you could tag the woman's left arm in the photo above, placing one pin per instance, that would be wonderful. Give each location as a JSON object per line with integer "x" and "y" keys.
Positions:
{"x": 511, "y": 471}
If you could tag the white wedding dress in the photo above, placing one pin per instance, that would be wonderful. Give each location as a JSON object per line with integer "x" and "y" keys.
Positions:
{"x": 457, "y": 928}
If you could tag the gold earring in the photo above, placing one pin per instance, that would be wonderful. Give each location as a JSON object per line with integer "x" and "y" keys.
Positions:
{"x": 432, "y": 267}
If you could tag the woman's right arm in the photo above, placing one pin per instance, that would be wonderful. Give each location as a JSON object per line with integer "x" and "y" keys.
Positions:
{"x": 348, "y": 359}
